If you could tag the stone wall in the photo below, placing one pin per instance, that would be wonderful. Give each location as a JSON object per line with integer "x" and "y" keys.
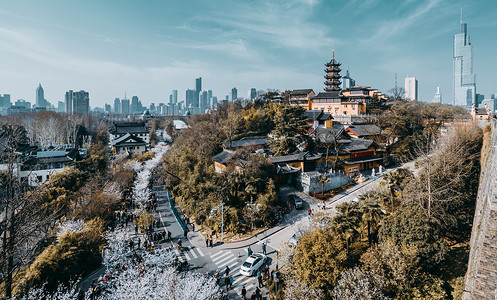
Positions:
{"x": 481, "y": 277}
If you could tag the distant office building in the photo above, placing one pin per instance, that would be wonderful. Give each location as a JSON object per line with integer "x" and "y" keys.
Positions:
{"x": 175, "y": 96}
{"x": 40, "y": 97}
{"x": 77, "y": 102}
{"x": 209, "y": 98}
{"x": 134, "y": 105}
{"x": 479, "y": 99}
{"x": 107, "y": 108}
{"x": 490, "y": 103}
{"x": 162, "y": 109}
{"x": 347, "y": 82}
{"x": 252, "y": 94}
{"x": 198, "y": 89}
{"x": 493, "y": 96}
{"x": 5, "y": 101}
{"x": 125, "y": 107}
{"x": 464, "y": 79}
{"x": 204, "y": 101}
{"x": 152, "y": 107}
{"x": 438, "y": 96}
{"x": 190, "y": 97}
{"x": 234, "y": 94}
{"x": 23, "y": 103}
{"x": 214, "y": 101}
{"x": 411, "y": 88}
{"x": 117, "y": 106}
{"x": 61, "y": 107}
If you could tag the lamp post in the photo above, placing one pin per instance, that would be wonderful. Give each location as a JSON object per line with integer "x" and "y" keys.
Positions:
{"x": 222, "y": 216}
{"x": 277, "y": 256}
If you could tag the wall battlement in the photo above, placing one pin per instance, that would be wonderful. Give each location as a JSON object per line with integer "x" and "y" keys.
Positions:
{"x": 481, "y": 277}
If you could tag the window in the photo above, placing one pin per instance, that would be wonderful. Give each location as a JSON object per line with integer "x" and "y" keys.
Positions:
{"x": 345, "y": 105}
{"x": 353, "y": 106}
{"x": 39, "y": 178}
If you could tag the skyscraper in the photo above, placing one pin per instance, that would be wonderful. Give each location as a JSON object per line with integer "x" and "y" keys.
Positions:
{"x": 5, "y": 100}
{"x": 77, "y": 102}
{"x": 253, "y": 94}
{"x": 190, "y": 97}
{"x": 464, "y": 79}
{"x": 125, "y": 106}
{"x": 40, "y": 97}
{"x": 347, "y": 82}
{"x": 204, "y": 101}
{"x": 175, "y": 96}
{"x": 198, "y": 89}
{"x": 134, "y": 105}
{"x": 117, "y": 106}
{"x": 411, "y": 88}
{"x": 234, "y": 94}
{"x": 438, "y": 96}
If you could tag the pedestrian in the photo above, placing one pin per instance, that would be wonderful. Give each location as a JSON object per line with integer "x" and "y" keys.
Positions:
{"x": 258, "y": 293}
{"x": 253, "y": 296}
{"x": 136, "y": 229}
{"x": 207, "y": 242}
{"x": 259, "y": 278}
{"x": 218, "y": 278}
{"x": 309, "y": 212}
{"x": 244, "y": 292}
{"x": 227, "y": 282}
{"x": 185, "y": 233}
{"x": 264, "y": 247}
{"x": 249, "y": 250}
{"x": 231, "y": 281}
{"x": 139, "y": 242}
{"x": 169, "y": 235}
{"x": 227, "y": 270}
{"x": 210, "y": 243}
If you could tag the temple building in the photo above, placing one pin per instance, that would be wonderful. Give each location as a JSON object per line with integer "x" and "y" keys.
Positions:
{"x": 301, "y": 98}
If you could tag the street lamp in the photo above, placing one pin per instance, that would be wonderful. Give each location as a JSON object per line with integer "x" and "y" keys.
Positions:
{"x": 277, "y": 256}
{"x": 222, "y": 216}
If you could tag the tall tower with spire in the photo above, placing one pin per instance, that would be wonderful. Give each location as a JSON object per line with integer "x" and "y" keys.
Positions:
{"x": 332, "y": 76}
{"x": 464, "y": 78}
{"x": 40, "y": 97}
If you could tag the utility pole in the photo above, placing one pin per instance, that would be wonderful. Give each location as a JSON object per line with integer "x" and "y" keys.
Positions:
{"x": 222, "y": 218}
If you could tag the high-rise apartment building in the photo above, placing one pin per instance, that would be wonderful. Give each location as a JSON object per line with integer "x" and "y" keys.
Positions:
{"x": 198, "y": 89}
{"x": 134, "y": 108}
{"x": 464, "y": 78}
{"x": 234, "y": 94}
{"x": 204, "y": 101}
{"x": 77, "y": 102}
{"x": 175, "y": 96}
{"x": 253, "y": 94}
{"x": 107, "y": 108}
{"x": 125, "y": 107}
{"x": 117, "y": 106}
{"x": 190, "y": 97}
{"x": 411, "y": 88}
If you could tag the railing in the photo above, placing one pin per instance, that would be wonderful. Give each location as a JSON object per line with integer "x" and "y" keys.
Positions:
{"x": 176, "y": 213}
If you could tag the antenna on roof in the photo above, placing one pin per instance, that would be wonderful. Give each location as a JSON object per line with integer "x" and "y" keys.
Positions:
{"x": 461, "y": 15}
{"x": 395, "y": 80}
{"x": 332, "y": 53}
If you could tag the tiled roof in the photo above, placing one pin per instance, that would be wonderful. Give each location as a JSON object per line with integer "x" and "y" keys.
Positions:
{"x": 299, "y": 156}
{"x": 364, "y": 129}
{"x": 358, "y": 160}
{"x": 132, "y": 127}
{"x": 122, "y": 141}
{"x": 223, "y": 157}
{"x": 301, "y": 92}
{"x": 357, "y": 145}
{"x": 245, "y": 142}
{"x": 326, "y": 95}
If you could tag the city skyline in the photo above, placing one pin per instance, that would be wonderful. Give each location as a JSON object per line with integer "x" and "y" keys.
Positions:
{"x": 150, "y": 50}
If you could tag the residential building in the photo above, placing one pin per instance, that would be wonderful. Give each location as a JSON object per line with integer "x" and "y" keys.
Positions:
{"x": 411, "y": 88}
{"x": 234, "y": 94}
{"x": 190, "y": 98}
{"x": 117, "y": 106}
{"x": 464, "y": 78}
{"x": 125, "y": 106}
{"x": 77, "y": 102}
{"x": 198, "y": 89}
{"x": 134, "y": 105}
{"x": 302, "y": 98}
{"x": 175, "y": 97}
{"x": 204, "y": 101}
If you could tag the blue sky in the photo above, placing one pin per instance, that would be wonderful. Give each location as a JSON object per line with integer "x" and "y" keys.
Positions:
{"x": 148, "y": 48}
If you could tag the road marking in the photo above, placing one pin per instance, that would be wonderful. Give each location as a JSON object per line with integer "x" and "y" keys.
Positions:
{"x": 227, "y": 260}
{"x": 186, "y": 255}
{"x": 200, "y": 251}
{"x": 193, "y": 253}
{"x": 218, "y": 256}
{"x": 233, "y": 265}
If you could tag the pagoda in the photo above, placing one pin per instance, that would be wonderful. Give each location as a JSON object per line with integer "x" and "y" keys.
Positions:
{"x": 332, "y": 75}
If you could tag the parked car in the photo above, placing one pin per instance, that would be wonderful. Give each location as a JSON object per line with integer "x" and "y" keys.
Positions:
{"x": 299, "y": 203}
{"x": 253, "y": 263}
{"x": 294, "y": 240}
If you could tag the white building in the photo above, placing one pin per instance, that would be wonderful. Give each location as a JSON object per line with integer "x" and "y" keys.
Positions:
{"x": 411, "y": 88}
{"x": 438, "y": 96}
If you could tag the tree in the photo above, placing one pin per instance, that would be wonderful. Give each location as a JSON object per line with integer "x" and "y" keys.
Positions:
{"x": 323, "y": 179}
{"x": 412, "y": 226}
{"x": 290, "y": 125}
{"x": 231, "y": 123}
{"x": 295, "y": 289}
{"x": 328, "y": 139}
{"x": 346, "y": 222}
{"x": 395, "y": 182}
{"x": 357, "y": 283}
{"x": 371, "y": 212}
{"x": 319, "y": 259}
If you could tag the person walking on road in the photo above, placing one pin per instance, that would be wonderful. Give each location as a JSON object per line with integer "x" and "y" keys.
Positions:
{"x": 169, "y": 235}
{"x": 227, "y": 271}
{"x": 244, "y": 292}
{"x": 249, "y": 250}
{"x": 253, "y": 296}
{"x": 207, "y": 242}
{"x": 227, "y": 282}
{"x": 258, "y": 293}
{"x": 264, "y": 247}
{"x": 259, "y": 278}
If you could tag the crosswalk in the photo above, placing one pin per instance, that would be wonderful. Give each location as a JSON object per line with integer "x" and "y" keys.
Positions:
{"x": 189, "y": 254}
{"x": 226, "y": 258}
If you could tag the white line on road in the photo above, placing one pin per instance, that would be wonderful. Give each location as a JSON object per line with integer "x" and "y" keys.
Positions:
{"x": 193, "y": 253}
{"x": 200, "y": 251}
{"x": 218, "y": 255}
{"x": 226, "y": 261}
{"x": 187, "y": 256}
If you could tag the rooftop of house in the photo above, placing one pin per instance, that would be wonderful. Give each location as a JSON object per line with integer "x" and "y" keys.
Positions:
{"x": 294, "y": 157}
{"x": 364, "y": 129}
{"x": 129, "y": 127}
{"x": 246, "y": 141}
{"x": 127, "y": 140}
{"x": 328, "y": 95}
{"x": 317, "y": 115}
{"x": 223, "y": 156}
{"x": 303, "y": 92}
{"x": 358, "y": 160}
{"x": 358, "y": 145}
{"x": 324, "y": 133}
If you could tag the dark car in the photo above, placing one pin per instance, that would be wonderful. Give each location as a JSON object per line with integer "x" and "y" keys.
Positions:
{"x": 299, "y": 203}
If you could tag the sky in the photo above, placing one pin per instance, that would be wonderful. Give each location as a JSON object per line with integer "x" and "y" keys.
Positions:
{"x": 148, "y": 48}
